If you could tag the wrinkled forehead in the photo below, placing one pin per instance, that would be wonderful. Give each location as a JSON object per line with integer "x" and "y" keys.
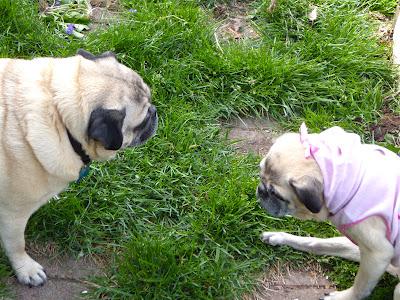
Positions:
{"x": 142, "y": 89}
{"x": 279, "y": 156}
{"x": 272, "y": 156}
{"x": 139, "y": 91}
{"x": 267, "y": 169}
{"x": 136, "y": 113}
{"x": 262, "y": 164}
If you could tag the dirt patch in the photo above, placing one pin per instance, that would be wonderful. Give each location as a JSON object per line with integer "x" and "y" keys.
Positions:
{"x": 388, "y": 127}
{"x": 68, "y": 277}
{"x": 235, "y": 22}
{"x": 250, "y": 134}
{"x": 101, "y": 18}
{"x": 284, "y": 282}
{"x": 385, "y": 27}
{"x": 104, "y": 13}
{"x": 109, "y": 4}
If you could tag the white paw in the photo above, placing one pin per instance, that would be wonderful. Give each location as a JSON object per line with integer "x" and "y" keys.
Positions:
{"x": 274, "y": 238}
{"x": 29, "y": 272}
{"x": 342, "y": 295}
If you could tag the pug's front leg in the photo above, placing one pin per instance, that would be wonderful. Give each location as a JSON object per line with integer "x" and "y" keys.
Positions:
{"x": 12, "y": 228}
{"x": 336, "y": 246}
{"x": 372, "y": 265}
{"x": 376, "y": 252}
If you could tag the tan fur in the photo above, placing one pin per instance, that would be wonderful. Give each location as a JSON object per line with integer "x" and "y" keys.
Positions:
{"x": 286, "y": 161}
{"x": 39, "y": 100}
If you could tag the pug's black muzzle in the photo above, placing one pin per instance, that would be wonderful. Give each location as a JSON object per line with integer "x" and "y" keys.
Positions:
{"x": 271, "y": 201}
{"x": 147, "y": 128}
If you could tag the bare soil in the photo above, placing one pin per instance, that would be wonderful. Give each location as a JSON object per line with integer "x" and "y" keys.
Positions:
{"x": 68, "y": 277}
{"x": 252, "y": 134}
{"x": 284, "y": 282}
{"x": 234, "y": 21}
{"x": 388, "y": 126}
{"x": 385, "y": 27}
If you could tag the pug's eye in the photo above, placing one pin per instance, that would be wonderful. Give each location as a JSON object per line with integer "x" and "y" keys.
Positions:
{"x": 264, "y": 186}
{"x": 271, "y": 191}
{"x": 274, "y": 194}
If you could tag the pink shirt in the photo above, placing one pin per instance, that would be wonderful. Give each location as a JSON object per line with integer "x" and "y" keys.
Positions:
{"x": 360, "y": 180}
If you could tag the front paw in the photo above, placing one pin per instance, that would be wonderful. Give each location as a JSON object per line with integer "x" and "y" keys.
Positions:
{"x": 29, "y": 272}
{"x": 274, "y": 238}
{"x": 342, "y": 295}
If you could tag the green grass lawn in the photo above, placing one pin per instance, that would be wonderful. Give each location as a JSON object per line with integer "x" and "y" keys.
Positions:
{"x": 178, "y": 217}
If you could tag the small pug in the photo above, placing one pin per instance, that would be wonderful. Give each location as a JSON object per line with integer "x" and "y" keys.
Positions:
{"x": 333, "y": 176}
{"x": 56, "y": 116}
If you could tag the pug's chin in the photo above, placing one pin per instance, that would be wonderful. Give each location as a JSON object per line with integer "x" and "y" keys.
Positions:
{"x": 280, "y": 215}
{"x": 321, "y": 216}
{"x": 303, "y": 216}
{"x": 104, "y": 155}
{"x": 276, "y": 213}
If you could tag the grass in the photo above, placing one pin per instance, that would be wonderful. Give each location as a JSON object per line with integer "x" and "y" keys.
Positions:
{"x": 178, "y": 217}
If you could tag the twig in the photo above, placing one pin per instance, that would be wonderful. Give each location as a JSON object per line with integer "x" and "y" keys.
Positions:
{"x": 92, "y": 284}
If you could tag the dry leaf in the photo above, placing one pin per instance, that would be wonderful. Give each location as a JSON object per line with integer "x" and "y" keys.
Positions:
{"x": 313, "y": 15}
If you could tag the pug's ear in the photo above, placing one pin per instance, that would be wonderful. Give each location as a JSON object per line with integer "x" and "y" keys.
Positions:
{"x": 309, "y": 191}
{"x": 105, "y": 126}
{"x": 85, "y": 54}
{"x": 90, "y": 56}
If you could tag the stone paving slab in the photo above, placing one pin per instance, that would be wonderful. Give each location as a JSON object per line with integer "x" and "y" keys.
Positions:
{"x": 68, "y": 278}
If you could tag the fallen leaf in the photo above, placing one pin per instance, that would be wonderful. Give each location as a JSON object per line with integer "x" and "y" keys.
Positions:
{"x": 313, "y": 15}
